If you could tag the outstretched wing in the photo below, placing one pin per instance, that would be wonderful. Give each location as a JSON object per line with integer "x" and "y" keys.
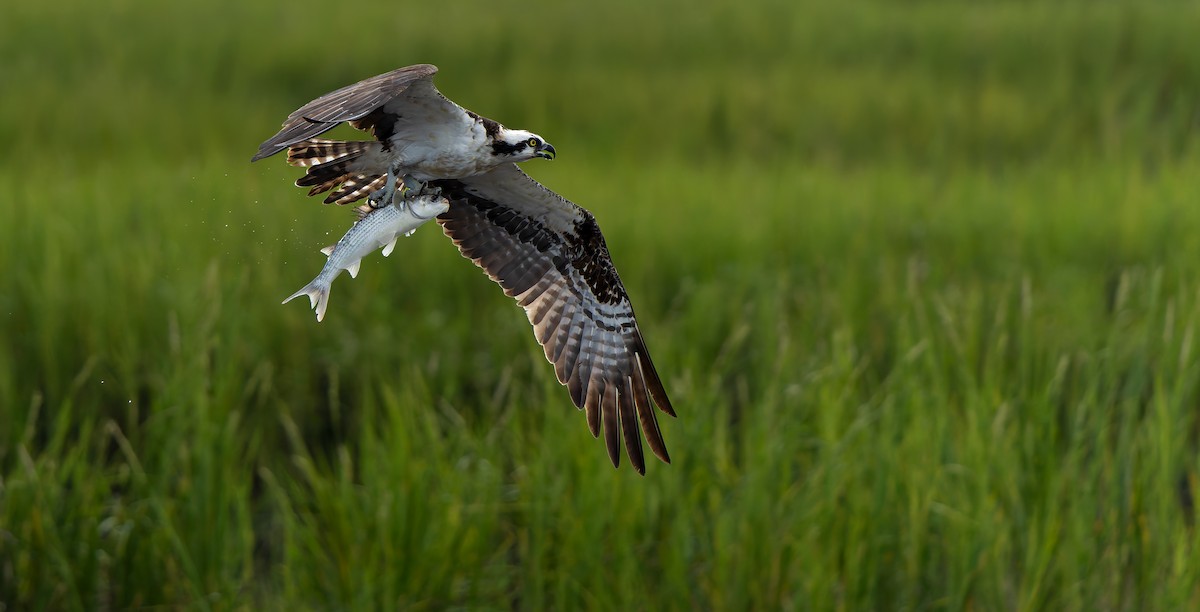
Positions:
{"x": 548, "y": 254}
{"x": 349, "y": 103}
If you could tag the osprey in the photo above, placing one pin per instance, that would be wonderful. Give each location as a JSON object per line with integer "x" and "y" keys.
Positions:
{"x": 542, "y": 249}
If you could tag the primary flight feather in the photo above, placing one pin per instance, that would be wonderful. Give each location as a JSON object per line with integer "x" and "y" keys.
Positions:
{"x": 542, "y": 249}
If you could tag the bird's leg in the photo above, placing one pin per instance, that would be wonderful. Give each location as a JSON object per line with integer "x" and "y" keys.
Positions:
{"x": 387, "y": 193}
{"x": 409, "y": 188}
{"x": 426, "y": 190}
{"x": 397, "y": 191}
{"x": 412, "y": 187}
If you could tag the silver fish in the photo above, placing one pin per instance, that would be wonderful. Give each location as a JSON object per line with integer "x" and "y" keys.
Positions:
{"x": 377, "y": 228}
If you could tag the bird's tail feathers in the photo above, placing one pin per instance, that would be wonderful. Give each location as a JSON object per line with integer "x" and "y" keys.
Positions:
{"x": 319, "y": 151}
{"x": 354, "y": 187}
{"x": 332, "y": 163}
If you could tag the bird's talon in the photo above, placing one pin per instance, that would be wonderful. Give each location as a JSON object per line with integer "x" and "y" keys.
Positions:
{"x": 412, "y": 187}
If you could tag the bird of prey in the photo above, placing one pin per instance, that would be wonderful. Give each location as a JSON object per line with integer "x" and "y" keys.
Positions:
{"x": 543, "y": 250}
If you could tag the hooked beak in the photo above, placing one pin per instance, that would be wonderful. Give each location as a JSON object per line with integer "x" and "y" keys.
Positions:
{"x": 546, "y": 150}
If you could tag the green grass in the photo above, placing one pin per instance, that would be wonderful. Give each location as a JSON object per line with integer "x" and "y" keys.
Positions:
{"x": 922, "y": 279}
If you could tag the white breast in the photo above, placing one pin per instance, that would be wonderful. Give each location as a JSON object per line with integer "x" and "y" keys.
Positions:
{"x": 435, "y": 141}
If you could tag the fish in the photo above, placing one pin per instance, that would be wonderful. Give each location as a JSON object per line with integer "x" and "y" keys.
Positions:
{"x": 377, "y": 227}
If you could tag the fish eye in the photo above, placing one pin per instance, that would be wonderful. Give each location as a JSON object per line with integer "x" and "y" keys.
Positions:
{"x": 533, "y": 142}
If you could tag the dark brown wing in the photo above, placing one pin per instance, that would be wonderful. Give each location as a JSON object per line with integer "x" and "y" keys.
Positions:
{"x": 346, "y": 104}
{"x": 548, "y": 254}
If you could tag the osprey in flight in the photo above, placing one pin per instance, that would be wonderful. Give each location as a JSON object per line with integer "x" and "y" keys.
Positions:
{"x": 542, "y": 249}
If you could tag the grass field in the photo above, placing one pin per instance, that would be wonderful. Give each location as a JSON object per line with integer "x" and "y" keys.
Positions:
{"x": 922, "y": 279}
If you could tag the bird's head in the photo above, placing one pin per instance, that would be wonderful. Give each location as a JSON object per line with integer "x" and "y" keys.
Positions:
{"x": 520, "y": 145}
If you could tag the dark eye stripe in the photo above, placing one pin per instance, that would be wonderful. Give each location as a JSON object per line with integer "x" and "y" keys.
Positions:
{"x": 500, "y": 147}
{"x": 503, "y": 148}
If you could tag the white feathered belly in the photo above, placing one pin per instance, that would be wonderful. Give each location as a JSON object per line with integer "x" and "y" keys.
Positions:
{"x": 452, "y": 152}
{"x": 428, "y": 164}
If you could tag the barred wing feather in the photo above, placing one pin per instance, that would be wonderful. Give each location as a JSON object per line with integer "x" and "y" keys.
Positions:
{"x": 549, "y": 255}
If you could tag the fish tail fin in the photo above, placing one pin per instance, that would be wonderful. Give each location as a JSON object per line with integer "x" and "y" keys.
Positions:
{"x": 336, "y": 163}
{"x": 318, "y": 297}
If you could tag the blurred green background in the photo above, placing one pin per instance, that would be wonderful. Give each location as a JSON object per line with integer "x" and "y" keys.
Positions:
{"x": 921, "y": 278}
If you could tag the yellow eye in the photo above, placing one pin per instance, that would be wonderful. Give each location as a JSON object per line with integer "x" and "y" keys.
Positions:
{"x": 533, "y": 142}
